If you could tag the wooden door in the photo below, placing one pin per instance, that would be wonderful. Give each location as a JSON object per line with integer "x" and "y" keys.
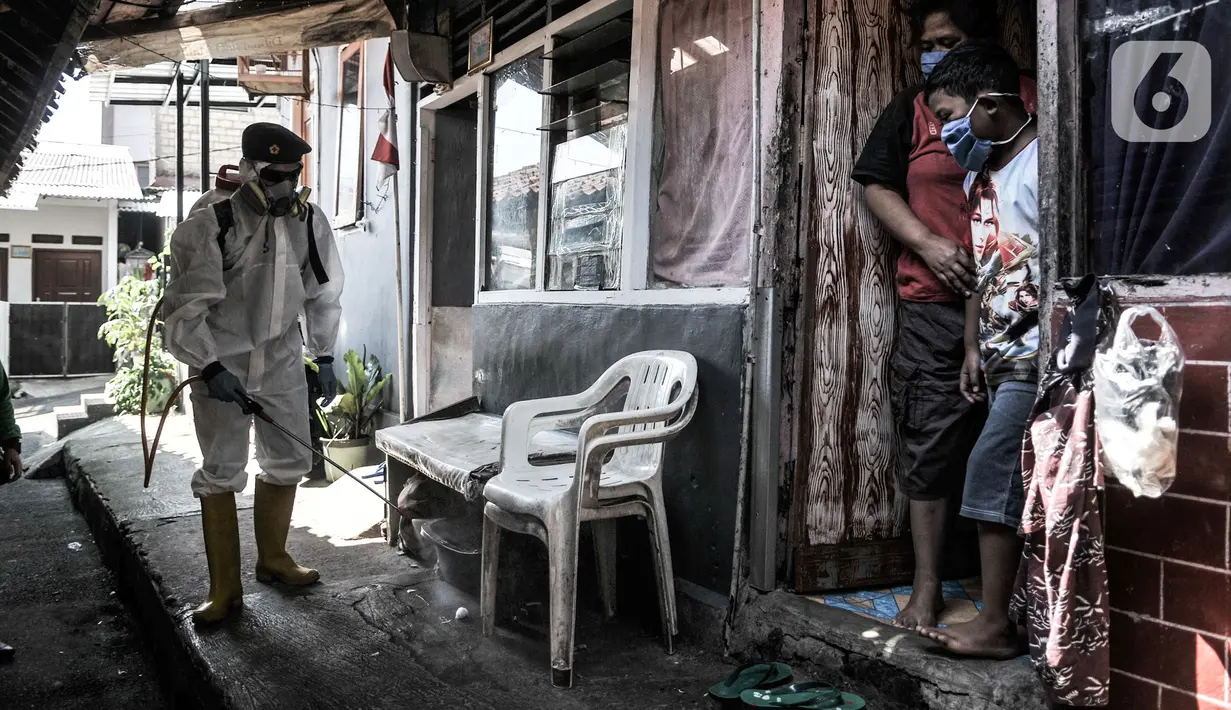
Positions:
{"x": 67, "y": 275}
{"x": 848, "y": 524}
{"x": 4, "y": 274}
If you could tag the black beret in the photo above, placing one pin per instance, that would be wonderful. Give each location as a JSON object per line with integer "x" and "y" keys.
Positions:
{"x": 271, "y": 143}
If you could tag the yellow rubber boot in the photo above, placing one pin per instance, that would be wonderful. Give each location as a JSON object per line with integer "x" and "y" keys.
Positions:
{"x": 272, "y": 519}
{"x": 221, "y": 526}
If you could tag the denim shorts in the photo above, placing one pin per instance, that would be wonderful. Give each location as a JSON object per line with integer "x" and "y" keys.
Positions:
{"x": 994, "y": 492}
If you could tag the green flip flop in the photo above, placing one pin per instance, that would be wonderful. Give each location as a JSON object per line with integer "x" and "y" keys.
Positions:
{"x": 751, "y": 676}
{"x": 810, "y": 696}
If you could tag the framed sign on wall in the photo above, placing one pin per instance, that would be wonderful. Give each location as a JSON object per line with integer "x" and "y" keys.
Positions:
{"x": 481, "y": 47}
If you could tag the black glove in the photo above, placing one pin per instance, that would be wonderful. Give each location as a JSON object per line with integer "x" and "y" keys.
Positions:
{"x": 326, "y": 381}
{"x": 225, "y": 387}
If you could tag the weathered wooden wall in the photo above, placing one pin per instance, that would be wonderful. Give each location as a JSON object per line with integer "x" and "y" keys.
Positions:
{"x": 856, "y": 59}
{"x": 1019, "y": 31}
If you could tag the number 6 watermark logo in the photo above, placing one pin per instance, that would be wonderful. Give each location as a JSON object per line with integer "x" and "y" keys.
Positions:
{"x": 1160, "y": 92}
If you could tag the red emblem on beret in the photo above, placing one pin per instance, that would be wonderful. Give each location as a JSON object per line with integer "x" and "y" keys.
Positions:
{"x": 274, "y": 149}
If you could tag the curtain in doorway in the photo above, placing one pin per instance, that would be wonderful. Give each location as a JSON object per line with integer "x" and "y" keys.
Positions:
{"x": 1159, "y": 135}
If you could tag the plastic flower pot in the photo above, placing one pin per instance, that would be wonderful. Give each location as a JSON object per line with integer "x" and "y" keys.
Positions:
{"x": 348, "y": 453}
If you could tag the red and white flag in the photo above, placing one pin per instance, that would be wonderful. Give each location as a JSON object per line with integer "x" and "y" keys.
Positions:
{"x": 386, "y": 151}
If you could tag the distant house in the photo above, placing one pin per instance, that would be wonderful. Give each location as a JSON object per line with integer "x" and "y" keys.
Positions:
{"x": 59, "y": 224}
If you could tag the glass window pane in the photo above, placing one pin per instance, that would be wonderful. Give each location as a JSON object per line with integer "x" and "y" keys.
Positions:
{"x": 350, "y": 139}
{"x": 1158, "y": 125}
{"x": 702, "y": 210}
{"x": 516, "y": 145}
{"x": 587, "y": 212}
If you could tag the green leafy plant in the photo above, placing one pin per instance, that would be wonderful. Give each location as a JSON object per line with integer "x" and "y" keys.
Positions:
{"x": 130, "y": 305}
{"x": 353, "y": 414}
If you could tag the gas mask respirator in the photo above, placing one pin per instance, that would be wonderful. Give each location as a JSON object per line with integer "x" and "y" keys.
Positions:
{"x": 274, "y": 191}
{"x": 279, "y": 187}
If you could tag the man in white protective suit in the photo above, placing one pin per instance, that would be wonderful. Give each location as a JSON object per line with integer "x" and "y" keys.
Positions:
{"x": 246, "y": 266}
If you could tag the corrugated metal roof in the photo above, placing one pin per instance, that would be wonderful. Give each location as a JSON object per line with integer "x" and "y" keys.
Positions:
{"x": 149, "y": 204}
{"x": 98, "y": 172}
{"x": 152, "y": 86}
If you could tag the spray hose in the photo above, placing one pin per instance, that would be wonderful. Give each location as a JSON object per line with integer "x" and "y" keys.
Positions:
{"x": 148, "y": 450}
{"x": 250, "y": 406}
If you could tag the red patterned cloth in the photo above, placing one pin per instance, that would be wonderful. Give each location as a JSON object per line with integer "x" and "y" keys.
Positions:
{"x": 1062, "y": 586}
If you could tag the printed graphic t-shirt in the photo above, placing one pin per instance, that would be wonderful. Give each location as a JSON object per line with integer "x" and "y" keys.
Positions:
{"x": 1004, "y": 220}
{"x": 904, "y": 152}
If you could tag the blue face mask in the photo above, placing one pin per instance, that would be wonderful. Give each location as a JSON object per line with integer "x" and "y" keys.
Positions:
{"x": 971, "y": 151}
{"x": 931, "y": 59}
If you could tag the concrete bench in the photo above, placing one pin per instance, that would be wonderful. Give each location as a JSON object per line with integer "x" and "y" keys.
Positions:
{"x": 460, "y": 454}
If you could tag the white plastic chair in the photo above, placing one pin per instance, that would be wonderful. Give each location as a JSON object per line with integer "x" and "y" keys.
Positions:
{"x": 551, "y": 502}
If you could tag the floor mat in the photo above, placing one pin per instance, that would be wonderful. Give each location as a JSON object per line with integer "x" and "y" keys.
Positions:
{"x": 963, "y": 600}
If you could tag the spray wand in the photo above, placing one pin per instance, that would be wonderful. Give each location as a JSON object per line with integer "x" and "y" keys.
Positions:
{"x": 250, "y": 406}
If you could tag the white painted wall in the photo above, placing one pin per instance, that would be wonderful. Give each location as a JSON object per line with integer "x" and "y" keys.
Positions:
{"x": 369, "y": 300}
{"x": 59, "y": 216}
{"x": 131, "y": 126}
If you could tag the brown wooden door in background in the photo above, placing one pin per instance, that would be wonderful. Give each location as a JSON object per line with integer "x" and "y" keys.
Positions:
{"x": 67, "y": 275}
{"x": 4, "y": 274}
{"x": 848, "y": 524}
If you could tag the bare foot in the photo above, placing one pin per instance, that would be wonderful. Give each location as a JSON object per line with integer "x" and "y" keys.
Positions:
{"x": 922, "y": 610}
{"x": 979, "y": 639}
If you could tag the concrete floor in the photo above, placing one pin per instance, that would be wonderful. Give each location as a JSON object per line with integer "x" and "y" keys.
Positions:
{"x": 76, "y": 645}
{"x": 377, "y": 632}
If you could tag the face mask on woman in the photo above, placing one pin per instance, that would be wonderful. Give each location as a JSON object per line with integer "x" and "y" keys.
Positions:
{"x": 971, "y": 151}
{"x": 931, "y": 59}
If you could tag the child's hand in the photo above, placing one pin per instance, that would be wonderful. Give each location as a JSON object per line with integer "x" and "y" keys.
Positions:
{"x": 972, "y": 377}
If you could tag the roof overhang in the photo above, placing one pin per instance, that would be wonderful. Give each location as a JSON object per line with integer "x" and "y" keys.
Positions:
{"x": 37, "y": 41}
{"x": 234, "y": 29}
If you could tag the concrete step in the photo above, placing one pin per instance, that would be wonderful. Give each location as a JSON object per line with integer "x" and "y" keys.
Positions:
{"x": 841, "y": 647}
{"x": 97, "y": 406}
{"x": 70, "y": 419}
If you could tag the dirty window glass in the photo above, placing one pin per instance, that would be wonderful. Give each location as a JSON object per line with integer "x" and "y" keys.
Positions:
{"x": 350, "y": 137}
{"x": 1158, "y": 123}
{"x": 587, "y": 212}
{"x": 516, "y": 149}
{"x": 701, "y": 209}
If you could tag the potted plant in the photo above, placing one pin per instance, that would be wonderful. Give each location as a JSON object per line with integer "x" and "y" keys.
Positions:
{"x": 351, "y": 418}
{"x": 130, "y": 305}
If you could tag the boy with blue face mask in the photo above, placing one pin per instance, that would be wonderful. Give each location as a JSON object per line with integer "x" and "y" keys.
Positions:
{"x": 914, "y": 188}
{"x": 974, "y": 92}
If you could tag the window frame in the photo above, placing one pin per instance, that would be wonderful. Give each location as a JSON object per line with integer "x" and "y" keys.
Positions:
{"x": 635, "y": 287}
{"x": 1064, "y": 185}
{"x": 301, "y": 119}
{"x": 345, "y": 53}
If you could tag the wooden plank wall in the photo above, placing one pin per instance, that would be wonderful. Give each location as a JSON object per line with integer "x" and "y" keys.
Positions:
{"x": 856, "y": 58}
{"x": 859, "y": 56}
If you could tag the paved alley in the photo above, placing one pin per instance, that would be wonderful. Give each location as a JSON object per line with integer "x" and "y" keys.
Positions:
{"x": 76, "y": 646}
{"x": 378, "y": 631}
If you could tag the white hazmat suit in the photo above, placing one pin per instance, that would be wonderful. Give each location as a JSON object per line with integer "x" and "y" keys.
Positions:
{"x": 240, "y": 304}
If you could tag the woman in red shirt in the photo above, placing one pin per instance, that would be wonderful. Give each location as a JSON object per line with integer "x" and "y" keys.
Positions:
{"x": 914, "y": 187}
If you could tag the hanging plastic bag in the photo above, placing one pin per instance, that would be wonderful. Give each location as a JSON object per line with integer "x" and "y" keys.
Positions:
{"x": 1137, "y": 385}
